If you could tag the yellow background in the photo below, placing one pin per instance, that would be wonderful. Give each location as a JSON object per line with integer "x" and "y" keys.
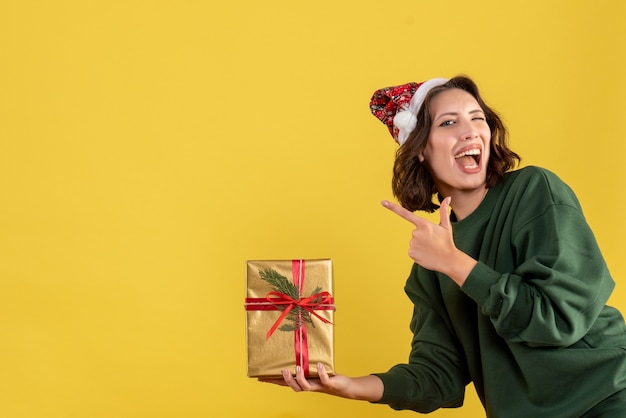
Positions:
{"x": 148, "y": 148}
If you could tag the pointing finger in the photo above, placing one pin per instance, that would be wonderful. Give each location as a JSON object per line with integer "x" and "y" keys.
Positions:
{"x": 402, "y": 212}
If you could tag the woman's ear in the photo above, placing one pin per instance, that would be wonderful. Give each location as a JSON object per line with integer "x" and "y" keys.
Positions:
{"x": 421, "y": 157}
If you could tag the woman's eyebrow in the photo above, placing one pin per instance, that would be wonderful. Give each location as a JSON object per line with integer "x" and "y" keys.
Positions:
{"x": 445, "y": 114}
{"x": 471, "y": 112}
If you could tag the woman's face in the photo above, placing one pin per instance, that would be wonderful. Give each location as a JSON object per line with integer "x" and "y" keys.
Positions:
{"x": 457, "y": 151}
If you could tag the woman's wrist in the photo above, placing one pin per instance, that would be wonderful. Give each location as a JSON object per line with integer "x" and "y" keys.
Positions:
{"x": 460, "y": 267}
{"x": 366, "y": 388}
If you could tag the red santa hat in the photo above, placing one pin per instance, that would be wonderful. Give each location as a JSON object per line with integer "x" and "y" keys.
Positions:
{"x": 397, "y": 106}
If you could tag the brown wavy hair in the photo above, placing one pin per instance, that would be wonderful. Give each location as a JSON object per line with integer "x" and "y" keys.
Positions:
{"x": 412, "y": 183}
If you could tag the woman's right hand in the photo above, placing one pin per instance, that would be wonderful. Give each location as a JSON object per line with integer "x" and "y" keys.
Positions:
{"x": 368, "y": 388}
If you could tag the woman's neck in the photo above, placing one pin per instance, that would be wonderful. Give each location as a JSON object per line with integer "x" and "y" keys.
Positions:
{"x": 463, "y": 203}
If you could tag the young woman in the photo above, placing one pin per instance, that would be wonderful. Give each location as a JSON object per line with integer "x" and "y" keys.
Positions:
{"x": 509, "y": 289}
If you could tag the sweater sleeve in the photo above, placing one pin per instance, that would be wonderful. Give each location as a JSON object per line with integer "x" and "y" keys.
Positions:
{"x": 435, "y": 375}
{"x": 559, "y": 284}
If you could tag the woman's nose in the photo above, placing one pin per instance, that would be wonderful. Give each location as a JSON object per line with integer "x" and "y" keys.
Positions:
{"x": 468, "y": 132}
{"x": 470, "y": 135}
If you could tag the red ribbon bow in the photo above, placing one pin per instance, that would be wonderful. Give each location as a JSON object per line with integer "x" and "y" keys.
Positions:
{"x": 309, "y": 304}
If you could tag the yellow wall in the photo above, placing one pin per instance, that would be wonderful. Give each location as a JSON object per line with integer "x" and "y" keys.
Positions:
{"x": 148, "y": 148}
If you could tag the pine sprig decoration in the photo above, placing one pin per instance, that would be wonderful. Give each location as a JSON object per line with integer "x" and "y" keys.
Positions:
{"x": 297, "y": 316}
{"x": 279, "y": 283}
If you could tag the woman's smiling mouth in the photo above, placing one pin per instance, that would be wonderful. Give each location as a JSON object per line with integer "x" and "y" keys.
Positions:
{"x": 468, "y": 159}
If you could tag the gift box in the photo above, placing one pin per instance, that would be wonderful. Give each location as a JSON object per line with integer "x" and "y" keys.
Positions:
{"x": 289, "y": 316}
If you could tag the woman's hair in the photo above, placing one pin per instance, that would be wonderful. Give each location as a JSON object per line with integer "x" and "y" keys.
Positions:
{"x": 412, "y": 183}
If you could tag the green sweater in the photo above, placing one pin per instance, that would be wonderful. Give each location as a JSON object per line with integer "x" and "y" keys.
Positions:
{"x": 529, "y": 327}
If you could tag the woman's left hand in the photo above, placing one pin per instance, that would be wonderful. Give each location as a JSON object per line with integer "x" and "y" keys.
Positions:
{"x": 432, "y": 246}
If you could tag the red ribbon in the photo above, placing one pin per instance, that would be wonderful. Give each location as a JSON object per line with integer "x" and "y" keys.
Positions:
{"x": 318, "y": 301}
{"x": 309, "y": 304}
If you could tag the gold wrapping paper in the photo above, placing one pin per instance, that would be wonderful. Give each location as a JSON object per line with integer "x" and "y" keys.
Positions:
{"x": 268, "y": 356}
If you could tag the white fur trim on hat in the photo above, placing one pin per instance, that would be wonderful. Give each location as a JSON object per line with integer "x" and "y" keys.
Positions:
{"x": 406, "y": 119}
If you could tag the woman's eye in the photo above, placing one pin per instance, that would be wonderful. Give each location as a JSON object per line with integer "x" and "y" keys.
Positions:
{"x": 447, "y": 123}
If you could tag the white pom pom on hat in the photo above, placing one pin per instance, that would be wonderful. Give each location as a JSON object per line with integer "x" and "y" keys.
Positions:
{"x": 397, "y": 106}
{"x": 405, "y": 121}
